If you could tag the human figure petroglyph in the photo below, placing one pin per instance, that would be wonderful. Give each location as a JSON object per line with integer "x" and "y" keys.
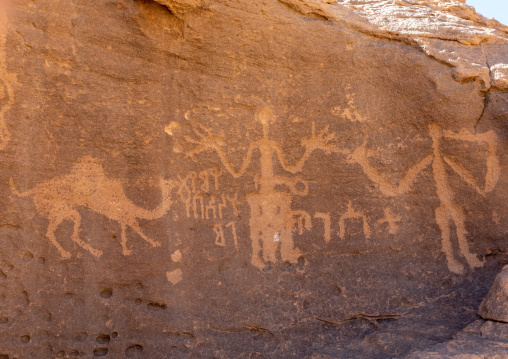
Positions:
{"x": 448, "y": 211}
{"x": 87, "y": 186}
{"x": 270, "y": 208}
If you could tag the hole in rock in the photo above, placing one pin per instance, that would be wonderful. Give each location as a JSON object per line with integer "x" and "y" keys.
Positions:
{"x": 100, "y": 352}
{"x": 106, "y": 293}
{"x": 103, "y": 339}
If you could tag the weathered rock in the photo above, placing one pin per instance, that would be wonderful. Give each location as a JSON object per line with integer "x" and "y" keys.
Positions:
{"x": 479, "y": 340}
{"x": 495, "y": 304}
{"x": 248, "y": 179}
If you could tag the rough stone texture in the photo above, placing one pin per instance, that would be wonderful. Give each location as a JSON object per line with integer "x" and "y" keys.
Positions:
{"x": 248, "y": 179}
{"x": 495, "y": 304}
{"x": 479, "y": 340}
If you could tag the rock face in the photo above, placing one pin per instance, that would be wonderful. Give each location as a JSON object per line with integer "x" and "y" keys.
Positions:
{"x": 495, "y": 304}
{"x": 248, "y": 179}
{"x": 479, "y": 340}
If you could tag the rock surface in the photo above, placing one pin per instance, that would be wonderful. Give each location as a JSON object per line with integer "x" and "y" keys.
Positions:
{"x": 495, "y": 304}
{"x": 479, "y": 340}
{"x": 248, "y": 179}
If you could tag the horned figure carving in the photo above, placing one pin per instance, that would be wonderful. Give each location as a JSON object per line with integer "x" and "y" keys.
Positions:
{"x": 87, "y": 186}
{"x": 449, "y": 212}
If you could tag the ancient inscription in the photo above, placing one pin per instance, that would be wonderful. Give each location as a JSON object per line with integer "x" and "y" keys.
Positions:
{"x": 199, "y": 192}
{"x": 88, "y": 186}
{"x": 221, "y": 231}
{"x": 392, "y": 220}
{"x": 351, "y": 213}
{"x": 449, "y": 212}
{"x": 327, "y": 223}
{"x": 272, "y": 219}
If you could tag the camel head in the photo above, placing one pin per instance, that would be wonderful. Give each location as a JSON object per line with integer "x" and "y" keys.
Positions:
{"x": 167, "y": 186}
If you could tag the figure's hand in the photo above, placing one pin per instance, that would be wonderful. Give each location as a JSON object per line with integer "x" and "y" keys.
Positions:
{"x": 206, "y": 141}
{"x": 321, "y": 141}
{"x": 488, "y": 137}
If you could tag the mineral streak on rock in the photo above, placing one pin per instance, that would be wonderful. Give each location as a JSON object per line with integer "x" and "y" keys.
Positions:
{"x": 252, "y": 179}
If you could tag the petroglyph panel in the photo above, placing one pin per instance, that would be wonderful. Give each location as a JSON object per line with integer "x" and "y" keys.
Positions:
{"x": 244, "y": 179}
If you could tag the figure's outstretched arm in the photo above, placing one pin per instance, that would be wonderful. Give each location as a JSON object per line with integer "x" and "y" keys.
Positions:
{"x": 321, "y": 141}
{"x": 210, "y": 141}
{"x": 386, "y": 187}
{"x": 493, "y": 168}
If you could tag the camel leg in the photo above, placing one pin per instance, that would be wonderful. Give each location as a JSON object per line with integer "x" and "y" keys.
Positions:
{"x": 443, "y": 221}
{"x": 459, "y": 219}
{"x": 135, "y": 226}
{"x": 52, "y": 226}
{"x": 74, "y": 216}
{"x": 125, "y": 251}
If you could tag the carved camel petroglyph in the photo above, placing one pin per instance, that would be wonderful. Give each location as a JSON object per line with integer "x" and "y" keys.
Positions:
{"x": 87, "y": 186}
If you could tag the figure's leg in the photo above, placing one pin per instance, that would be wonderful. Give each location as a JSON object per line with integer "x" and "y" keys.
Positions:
{"x": 256, "y": 248}
{"x": 270, "y": 245}
{"x": 125, "y": 251}
{"x": 443, "y": 221}
{"x": 459, "y": 219}
{"x": 288, "y": 251}
{"x": 135, "y": 226}
{"x": 74, "y": 216}
{"x": 54, "y": 222}
{"x": 256, "y": 230}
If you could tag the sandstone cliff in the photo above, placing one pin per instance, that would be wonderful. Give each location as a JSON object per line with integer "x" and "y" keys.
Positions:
{"x": 249, "y": 179}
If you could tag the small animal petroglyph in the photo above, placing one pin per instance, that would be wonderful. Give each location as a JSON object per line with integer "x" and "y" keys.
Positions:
{"x": 349, "y": 113}
{"x": 87, "y": 186}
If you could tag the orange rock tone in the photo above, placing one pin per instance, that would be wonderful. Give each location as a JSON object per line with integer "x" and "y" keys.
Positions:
{"x": 251, "y": 179}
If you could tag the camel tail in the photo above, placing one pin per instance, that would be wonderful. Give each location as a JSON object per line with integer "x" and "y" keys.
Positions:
{"x": 15, "y": 191}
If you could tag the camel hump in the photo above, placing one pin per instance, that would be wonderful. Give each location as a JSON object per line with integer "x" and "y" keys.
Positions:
{"x": 15, "y": 190}
{"x": 87, "y": 166}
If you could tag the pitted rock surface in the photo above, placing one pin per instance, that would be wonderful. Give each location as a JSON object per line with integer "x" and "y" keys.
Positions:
{"x": 248, "y": 179}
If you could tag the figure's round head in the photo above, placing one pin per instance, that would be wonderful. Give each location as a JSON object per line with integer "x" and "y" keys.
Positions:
{"x": 266, "y": 116}
{"x": 435, "y": 130}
